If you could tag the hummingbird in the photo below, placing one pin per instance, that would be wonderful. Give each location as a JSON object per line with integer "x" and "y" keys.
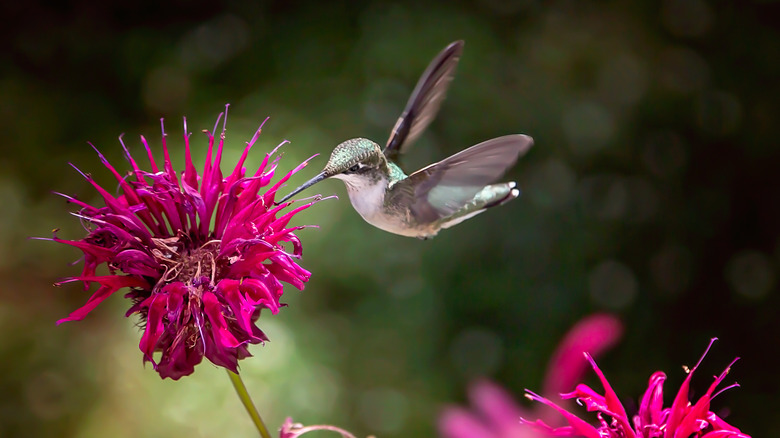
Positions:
{"x": 437, "y": 196}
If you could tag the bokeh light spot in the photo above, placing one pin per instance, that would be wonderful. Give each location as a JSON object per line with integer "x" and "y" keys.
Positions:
{"x": 406, "y": 285}
{"x": 671, "y": 269}
{"x": 682, "y": 70}
{"x": 718, "y": 113}
{"x": 46, "y": 395}
{"x": 664, "y": 153}
{"x": 613, "y": 285}
{"x": 317, "y": 390}
{"x": 12, "y": 196}
{"x": 476, "y": 352}
{"x": 384, "y": 410}
{"x": 165, "y": 89}
{"x": 623, "y": 79}
{"x": 687, "y": 18}
{"x": 604, "y": 196}
{"x": 750, "y": 274}
{"x": 551, "y": 184}
{"x": 383, "y": 102}
{"x": 509, "y": 7}
{"x": 209, "y": 45}
{"x": 643, "y": 199}
{"x": 588, "y": 127}
{"x": 278, "y": 352}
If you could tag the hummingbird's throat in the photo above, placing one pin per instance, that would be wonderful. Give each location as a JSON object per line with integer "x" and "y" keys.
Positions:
{"x": 366, "y": 196}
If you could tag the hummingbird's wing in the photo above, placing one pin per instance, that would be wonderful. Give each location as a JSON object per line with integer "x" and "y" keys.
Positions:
{"x": 425, "y": 100}
{"x": 443, "y": 188}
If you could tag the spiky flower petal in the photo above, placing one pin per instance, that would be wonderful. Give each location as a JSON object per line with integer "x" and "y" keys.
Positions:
{"x": 201, "y": 253}
{"x": 682, "y": 419}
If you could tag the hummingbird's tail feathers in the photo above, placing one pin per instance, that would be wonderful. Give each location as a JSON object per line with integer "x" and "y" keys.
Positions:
{"x": 490, "y": 196}
{"x": 512, "y": 193}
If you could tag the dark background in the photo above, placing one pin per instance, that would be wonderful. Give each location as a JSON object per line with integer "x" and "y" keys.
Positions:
{"x": 651, "y": 193}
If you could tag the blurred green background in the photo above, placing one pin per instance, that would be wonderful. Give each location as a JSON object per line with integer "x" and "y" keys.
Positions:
{"x": 651, "y": 193}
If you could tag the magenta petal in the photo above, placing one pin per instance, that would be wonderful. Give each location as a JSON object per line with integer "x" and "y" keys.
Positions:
{"x": 154, "y": 326}
{"x": 594, "y": 334}
{"x": 135, "y": 262}
{"x": 679, "y": 407}
{"x": 99, "y": 252}
{"x": 578, "y": 425}
{"x": 260, "y": 294}
{"x": 108, "y": 285}
{"x": 179, "y": 362}
{"x": 652, "y": 401}
{"x": 545, "y": 429}
{"x": 720, "y": 424}
{"x": 496, "y": 405}
{"x": 219, "y": 329}
{"x": 223, "y": 357}
{"x": 612, "y": 401}
{"x": 592, "y": 400}
{"x": 459, "y": 423}
{"x": 287, "y": 275}
{"x": 242, "y": 311}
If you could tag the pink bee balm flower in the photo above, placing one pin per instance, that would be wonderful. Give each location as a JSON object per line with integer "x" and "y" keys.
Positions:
{"x": 497, "y": 415}
{"x": 682, "y": 419}
{"x": 201, "y": 254}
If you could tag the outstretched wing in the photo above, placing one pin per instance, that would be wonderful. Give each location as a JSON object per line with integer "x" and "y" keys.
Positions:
{"x": 425, "y": 100}
{"x": 443, "y": 188}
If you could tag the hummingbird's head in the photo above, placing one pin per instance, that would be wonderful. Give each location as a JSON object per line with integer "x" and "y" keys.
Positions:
{"x": 351, "y": 161}
{"x": 353, "y": 157}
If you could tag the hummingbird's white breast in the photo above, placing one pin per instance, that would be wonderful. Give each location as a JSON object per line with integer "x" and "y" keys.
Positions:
{"x": 368, "y": 199}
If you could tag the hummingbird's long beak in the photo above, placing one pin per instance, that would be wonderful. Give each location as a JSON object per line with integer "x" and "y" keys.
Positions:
{"x": 306, "y": 185}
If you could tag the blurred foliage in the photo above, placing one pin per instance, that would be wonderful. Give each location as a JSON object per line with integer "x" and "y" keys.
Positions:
{"x": 651, "y": 192}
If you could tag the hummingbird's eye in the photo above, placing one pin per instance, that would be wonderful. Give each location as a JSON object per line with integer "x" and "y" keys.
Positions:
{"x": 354, "y": 168}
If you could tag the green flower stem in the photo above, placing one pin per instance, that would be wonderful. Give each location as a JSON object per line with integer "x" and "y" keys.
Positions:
{"x": 246, "y": 400}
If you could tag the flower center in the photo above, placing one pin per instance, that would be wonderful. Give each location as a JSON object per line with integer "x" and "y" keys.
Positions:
{"x": 184, "y": 264}
{"x": 198, "y": 263}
